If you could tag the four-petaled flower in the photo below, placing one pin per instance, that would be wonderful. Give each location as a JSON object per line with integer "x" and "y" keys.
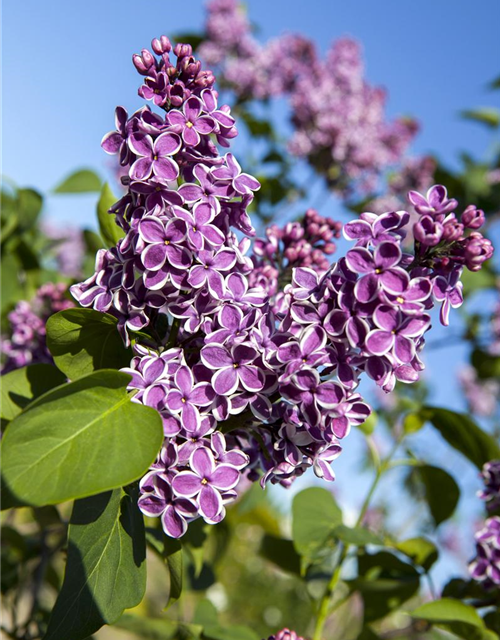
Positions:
{"x": 154, "y": 157}
{"x": 187, "y": 397}
{"x": 190, "y": 123}
{"x": 232, "y": 368}
{"x": 207, "y": 481}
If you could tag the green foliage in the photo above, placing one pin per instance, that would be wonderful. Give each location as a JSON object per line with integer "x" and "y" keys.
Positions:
{"x": 421, "y": 551}
{"x": 488, "y": 116}
{"x": 173, "y": 557}
{"x": 463, "y": 434}
{"x": 106, "y": 567}
{"x": 357, "y": 536}
{"x": 22, "y": 386}
{"x": 486, "y": 365}
{"x": 441, "y": 492}
{"x": 84, "y": 340}
{"x": 81, "y": 181}
{"x": 315, "y": 516}
{"x": 281, "y": 552}
{"x": 455, "y": 616}
{"x": 110, "y": 231}
{"x": 385, "y": 582}
{"x": 89, "y": 431}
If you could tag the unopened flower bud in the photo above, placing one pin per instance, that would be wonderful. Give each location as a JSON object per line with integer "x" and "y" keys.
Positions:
{"x": 473, "y": 218}
{"x": 161, "y": 45}
{"x": 183, "y": 50}
{"x": 452, "y": 230}
{"x": 427, "y": 231}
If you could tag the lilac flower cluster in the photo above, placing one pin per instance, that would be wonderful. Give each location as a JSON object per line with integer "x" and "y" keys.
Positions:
{"x": 340, "y": 124}
{"x": 490, "y": 475}
{"x": 286, "y": 634}
{"x": 69, "y": 250}
{"x": 252, "y": 70}
{"x": 339, "y": 119}
{"x": 255, "y": 359}
{"x": 485, "y": 568}
{"x": 26, "y": 342}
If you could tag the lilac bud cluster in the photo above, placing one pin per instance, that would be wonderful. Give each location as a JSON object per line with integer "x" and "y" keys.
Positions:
{"x": 286, "y": 634}
{"x": 339, "y": 119}
{"x": 438, "y": 224}
{"x": 26, "y": 342}
{"x": 305, "y": 243}
{"x": 490, "y": 475}
{"x": 485, "y": 568}
{"x": 252, "y": 377}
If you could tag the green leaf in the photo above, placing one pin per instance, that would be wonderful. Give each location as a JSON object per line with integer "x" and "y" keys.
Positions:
{"x": 441, "y": 492}
{"x": 231, "y": 632}
{"x": 484, "y": 115}
{"x": 385, "y": 582}
{"x": 106, "y": 568}
{"x": 93, "y": 242}
{"x": 110, "y": 231}
{"x": 29, "y": 207}
{"x": 205, "y": 614}
{"x": 486, "y": 278}
{"x": 455, "y": 616}
{"x": 356, "y": 535}
{"x": 173, "y": 558}
{"x": 82, "y": 181}
{"x": 84, "y": 340}
{"x": 22, "y": 386}
{"x": 486, "y": 365}
{"x": 281, "y": 552}
{"x": 421, "y": 551}
{"x": 412, "y": 423}
{"x": 462, "y": 433}
{"x": 78, "y": 440}
{"x": 315, "y": 516}
{"x": 147, "y": 628}
{"x": 368, "y": 426}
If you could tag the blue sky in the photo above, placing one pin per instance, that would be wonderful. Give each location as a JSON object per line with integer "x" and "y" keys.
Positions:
{"x": 67, "y": 65}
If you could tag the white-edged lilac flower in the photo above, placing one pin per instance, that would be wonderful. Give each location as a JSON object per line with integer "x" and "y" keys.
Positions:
{"x": 395, "y": 332}
{"x": 232, "y": 368}
{"x": 485, "y": 568}
{"x": 163, "y": 240}
{"x": 190, "y": 123}
{"x": 241, "y": 182}
{"x": 448, "y": 291}
{"x": 209, "y": 188}
{"x": 200, "y": 232}
{"x": 187, "y": 397}
{"x": 154, "y": 156}
{"x": 210, "y": 268}
{"x": 379, "y": 270}
{"x": 490, "y": 475}
{"x": 116, "y": 141}
{"x": 158, "y": 500}
{"x": 206, "y": 482}
{"x": 308, "y": 351}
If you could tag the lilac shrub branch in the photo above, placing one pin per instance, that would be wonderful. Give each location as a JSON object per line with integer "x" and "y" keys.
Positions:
{"x": 273, "y": 341}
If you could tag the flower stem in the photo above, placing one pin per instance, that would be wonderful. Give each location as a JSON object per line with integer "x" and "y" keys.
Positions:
{"x": 324, "y": 607}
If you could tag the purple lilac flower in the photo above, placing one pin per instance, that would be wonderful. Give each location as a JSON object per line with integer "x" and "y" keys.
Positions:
{"x": 490, "y": 475}
{"x": 485, "y": 568}
{"x": 25, "y": 343}
{"x": 252, "y": 360}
